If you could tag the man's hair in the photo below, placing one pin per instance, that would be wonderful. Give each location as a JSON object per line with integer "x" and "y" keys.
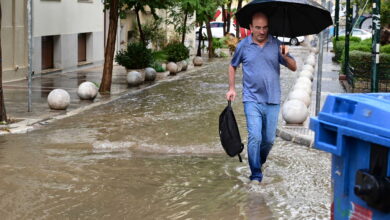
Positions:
{"x": 259, "y": 15}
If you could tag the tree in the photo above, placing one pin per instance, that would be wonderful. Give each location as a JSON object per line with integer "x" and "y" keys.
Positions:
{"x": 139, "y": 6}
{"x": 3, "y": 114}
{"x": 114, "y": 6}
{"x": 179, "y": 13}
{"x": 226, "y": 14}
{"x": 204, "y": 14}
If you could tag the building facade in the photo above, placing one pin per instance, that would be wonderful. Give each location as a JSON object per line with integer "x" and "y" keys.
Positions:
{"x": 14, "y": 39}
{"x": 67, "y": 34}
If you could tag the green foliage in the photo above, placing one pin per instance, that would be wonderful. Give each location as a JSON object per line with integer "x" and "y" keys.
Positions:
{"x": 362, "y": 61}
{"x": 360, "y": 47}
{"x": 385, "y": 13}
{"x": 218, "y": 43}
{"x": 160, "y": 56}
{"x": 355, "y": 39}
{"x": 177, "y": 12}
{"x": 385, "y": 49}
{"x": 136, "y": 56}
{"x": 158, "y": 67}
{"x": 177, "y": 51}
{"x": 338, "y": 49}
{"x": 153, "y": 33}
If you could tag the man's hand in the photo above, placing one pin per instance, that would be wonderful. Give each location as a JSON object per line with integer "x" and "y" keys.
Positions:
{"x": 284, "y": 50}
{"x": 231, "y": 95}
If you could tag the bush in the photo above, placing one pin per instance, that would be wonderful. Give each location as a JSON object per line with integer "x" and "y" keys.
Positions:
{"x": 338, "y": 50}
{"x": 385, "y": 49}
{"x": 176, "y": 52}
{"x": 360, "y": 47}
{"x": 361, "y": 61}
{"x": 137, "y": 56}
{"x": 355, "y": 39}
{"x": 160, "y": 56}
{"x": 158, "y": 67}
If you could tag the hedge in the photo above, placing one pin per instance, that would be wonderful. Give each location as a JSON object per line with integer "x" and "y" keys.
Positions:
{"x": 361, "y": 61}
{"x": 385, "y": 49}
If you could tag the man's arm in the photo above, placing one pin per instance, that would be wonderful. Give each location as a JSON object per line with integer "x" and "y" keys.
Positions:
{"x": 291, "y": 64}
{"x": 231, "y": 94}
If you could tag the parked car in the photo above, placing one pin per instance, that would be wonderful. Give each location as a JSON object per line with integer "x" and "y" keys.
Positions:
{"x": 362, "y": 34}
{"x": 293, "y": 41}
{"x": 216, "y": 30}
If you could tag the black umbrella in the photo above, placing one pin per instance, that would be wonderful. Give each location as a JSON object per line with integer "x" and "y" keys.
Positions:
{"x": 287, "y": 18}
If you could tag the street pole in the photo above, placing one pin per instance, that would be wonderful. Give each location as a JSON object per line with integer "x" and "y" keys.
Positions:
{"x": 347, "y": 33}
{"x": 376, "y": 27}
{"x": 336, "y": 18}
{"x": 319, "y": 69}
{"x": 30, "y": 48}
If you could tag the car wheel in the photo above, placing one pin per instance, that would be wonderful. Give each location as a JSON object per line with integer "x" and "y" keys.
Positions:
{"x": 294, "y": 41}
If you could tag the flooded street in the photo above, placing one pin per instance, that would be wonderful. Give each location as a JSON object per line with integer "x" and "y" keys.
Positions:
{"x": 155, "y": 154}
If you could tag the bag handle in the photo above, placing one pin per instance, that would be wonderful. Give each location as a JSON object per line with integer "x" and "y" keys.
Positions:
{"x": 229, "y": 103}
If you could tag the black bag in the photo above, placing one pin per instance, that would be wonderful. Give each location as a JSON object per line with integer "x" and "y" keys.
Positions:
{"x": 229, "y": 133}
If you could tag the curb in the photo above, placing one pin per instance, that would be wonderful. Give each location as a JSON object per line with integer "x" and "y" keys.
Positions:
{"x": 295, "y": 137}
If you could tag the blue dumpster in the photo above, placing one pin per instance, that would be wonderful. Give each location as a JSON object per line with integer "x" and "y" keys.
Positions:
{"x": 355, "y": 128}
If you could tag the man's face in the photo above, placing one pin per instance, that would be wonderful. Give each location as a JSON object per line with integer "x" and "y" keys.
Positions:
{"x": 259, "y": 28}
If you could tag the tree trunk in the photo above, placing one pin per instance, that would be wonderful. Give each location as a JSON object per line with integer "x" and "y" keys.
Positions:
{"x": 141, "y": 33}
{"x": 210, "y": 39}
{"x": 237, "y": 25}
{"x": 3, "y": 114}
{"x": 105, "y": 86}
{"x": 228, "y": 17}
{"x": 183, "y": 37}
{"x": 199, "y": 52}
{"x": 224, "y": 19}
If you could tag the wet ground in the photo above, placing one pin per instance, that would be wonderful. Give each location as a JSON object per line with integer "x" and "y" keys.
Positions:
{"x": 156, "y": 154}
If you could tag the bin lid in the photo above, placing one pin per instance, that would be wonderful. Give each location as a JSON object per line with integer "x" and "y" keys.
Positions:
{"x": 365, "y": 112}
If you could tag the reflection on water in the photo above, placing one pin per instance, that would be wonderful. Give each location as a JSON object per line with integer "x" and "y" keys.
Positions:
{"x": 155, "y": 155}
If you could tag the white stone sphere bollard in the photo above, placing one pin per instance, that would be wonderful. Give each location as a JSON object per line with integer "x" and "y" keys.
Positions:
{"x": 301, "y": 95}
{"x": 179, "y": 66}
{"x": 307, "y": 74}
{"x": 58, "y": 99}
{"x": 294, "y": 112}
{"x": 314, "y": 50}
{"x": 311, "y": 60}
{"x": 134, "y": 78}
{"x": 304, "y": 80}
{"x": 184, "y": 65}
{"x": 172, "y": 67}
{"x": 164, "y": 66}
{"x": 87, "y": 91}
{"x": 308, "y": 67}
{"x": 150, "y": 74}
{"x": 303, "y": 86}
{"x": 198, "y": 61}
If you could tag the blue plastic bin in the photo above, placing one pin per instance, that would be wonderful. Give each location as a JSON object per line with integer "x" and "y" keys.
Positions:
{"x": 355, "y": 128}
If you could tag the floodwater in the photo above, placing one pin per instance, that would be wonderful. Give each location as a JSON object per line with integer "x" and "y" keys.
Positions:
{"x": 155, "y": 154}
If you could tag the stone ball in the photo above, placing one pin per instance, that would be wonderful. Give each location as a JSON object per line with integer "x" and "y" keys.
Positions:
{"x": 87, "y": 91}
{"x": 307, "y": 74}
{"x": 300, "y": 94}
{"x": 303, "y": 86}
{"x": 150, "y": 74}
{"x": 184, "y": 65}
{"x": 58, "y": 99}
{"x": 172, "y": 67}
{"x": 294, "y": 112}
{"x": 314, "y": 50}
{"x": 179, "y": 66}
{"x": 134, "y": 78}
{"x": 308, "y": 67}
{"x": 198, "y": 61}
{"x": 304, "y": 80}
{"x": 311, "y": 60}
{"x": 164, "y": 66}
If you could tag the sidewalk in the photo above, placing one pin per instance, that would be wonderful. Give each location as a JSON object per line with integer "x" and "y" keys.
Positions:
{"x": 16, "y": 95}
{"x": 301, "y": 134}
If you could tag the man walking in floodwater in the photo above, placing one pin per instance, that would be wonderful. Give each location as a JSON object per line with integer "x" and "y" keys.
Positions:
{"x": 260, "y": 55}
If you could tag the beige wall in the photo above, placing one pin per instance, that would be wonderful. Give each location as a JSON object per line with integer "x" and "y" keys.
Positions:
{"x": 55, "y": 17}
{"x": 14, "y": 39}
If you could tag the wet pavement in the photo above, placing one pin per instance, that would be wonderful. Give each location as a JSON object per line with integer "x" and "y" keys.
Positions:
{"x": 155, "y": 154}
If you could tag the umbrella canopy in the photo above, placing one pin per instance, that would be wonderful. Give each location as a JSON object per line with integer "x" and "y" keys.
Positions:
{"x": 288, "y": 18}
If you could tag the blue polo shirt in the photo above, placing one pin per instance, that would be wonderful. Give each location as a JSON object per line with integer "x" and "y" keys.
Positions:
{"x": 261, "y": 80}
